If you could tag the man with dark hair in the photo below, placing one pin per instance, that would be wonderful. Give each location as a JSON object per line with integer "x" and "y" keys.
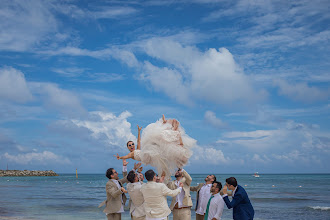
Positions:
{"x": 203, "y": 195}
{"x": 242, "y": 207}
{"x": 137, "y": 201}
{"x": 114, "y": 204}
{"x": 181, "y": 204}
{"x": 215, "y": 205}
{"x": 154, "y": 194}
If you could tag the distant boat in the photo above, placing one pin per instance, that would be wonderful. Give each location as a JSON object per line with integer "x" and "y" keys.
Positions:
{"x": 256, "y": 174}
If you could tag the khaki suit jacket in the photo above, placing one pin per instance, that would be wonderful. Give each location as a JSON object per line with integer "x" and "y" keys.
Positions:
{"x": 136, "y": 199}
{"x": 186, "y": 180}
{"x": 155, "y": 202}
{"x": 114, "y": 198}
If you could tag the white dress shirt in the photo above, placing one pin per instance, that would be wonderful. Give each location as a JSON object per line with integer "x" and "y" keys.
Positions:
{"x": 216, "y": 207}
{"x": 204, "y": 196}
{"x": 180, "y": 196}
{"x": 122, "y": 203}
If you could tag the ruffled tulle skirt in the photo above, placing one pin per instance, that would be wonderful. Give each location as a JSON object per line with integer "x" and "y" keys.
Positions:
{"x": 160, "y": 147}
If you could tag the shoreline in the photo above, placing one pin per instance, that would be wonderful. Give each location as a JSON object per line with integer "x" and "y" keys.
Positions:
{"x": 8, "y": 173}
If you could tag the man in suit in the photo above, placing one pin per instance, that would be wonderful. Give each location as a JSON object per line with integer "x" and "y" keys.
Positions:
{"x": 154, "y": 194}
{"x": 137, "y": 201}
{"x": 114, "y": 205}
{"x": 181, "y": 204}
{"x": 242, "y": 207}
{"x": 215, "y": 204}
{"x": 203, "y": 196}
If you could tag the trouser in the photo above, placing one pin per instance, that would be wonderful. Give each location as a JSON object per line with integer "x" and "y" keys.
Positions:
{"x": 114, "y": 216}
{"x": 138, "y": 218}
{"x": 199, "y": 217}
{"x": 182, "y": 214}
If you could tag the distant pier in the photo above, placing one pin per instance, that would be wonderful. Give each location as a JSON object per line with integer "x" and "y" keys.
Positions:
{"x": 27, "y": 173}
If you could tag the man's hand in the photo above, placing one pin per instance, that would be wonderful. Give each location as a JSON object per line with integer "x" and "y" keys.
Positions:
{"x": 123, "y": 190}
{"x": 139, "y": 128}
{"x": 163, "y": 174}
{"x": 137, "y": 165}
{"x": 140, "y": 169}
{"x": 125, "y": 162}
{"x": 224, "y": 190}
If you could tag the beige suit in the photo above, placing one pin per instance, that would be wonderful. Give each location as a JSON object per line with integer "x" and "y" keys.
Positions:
{"x": 182, "y": 213}
{"x": 136, "y": 201}
{"x": 114, "y": 199}
{"x": 155, "y": 202}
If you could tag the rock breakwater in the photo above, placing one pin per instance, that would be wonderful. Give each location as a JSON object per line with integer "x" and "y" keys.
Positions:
{"x": 27, "y": 173}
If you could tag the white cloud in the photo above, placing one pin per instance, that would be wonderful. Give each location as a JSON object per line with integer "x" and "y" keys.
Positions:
{"x": 13, "y": 86}
{"x": 261, "y": 159}
{"x": 107, "y": 128}
{"x": 209, "y": 155}
{"x": 58, "y": 99}
{"x": 24, "y": 25}
{"x": 212, "y": 119}
{"x": 122, "y": 55}
{"x": 301, "y": 91}
{"x": 212, "y": 76}
{"x": 37, "y": 158}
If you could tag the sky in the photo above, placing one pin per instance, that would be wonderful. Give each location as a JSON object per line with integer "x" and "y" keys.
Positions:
{"x": 248, "y": 79}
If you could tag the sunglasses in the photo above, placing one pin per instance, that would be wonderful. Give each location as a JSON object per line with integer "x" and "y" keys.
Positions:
{"x": 131, "y": 145}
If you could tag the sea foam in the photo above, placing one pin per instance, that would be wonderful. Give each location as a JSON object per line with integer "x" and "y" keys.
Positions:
{"x": 323, "y": 208}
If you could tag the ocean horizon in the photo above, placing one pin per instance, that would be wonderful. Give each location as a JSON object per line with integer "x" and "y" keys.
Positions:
{"x": 274, "y": 196}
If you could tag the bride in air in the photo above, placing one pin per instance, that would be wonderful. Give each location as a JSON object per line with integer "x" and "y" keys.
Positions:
{"x": 163, "y": 145}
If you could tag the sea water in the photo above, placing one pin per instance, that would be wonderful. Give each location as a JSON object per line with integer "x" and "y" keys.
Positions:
{"x": 282, "y": 196}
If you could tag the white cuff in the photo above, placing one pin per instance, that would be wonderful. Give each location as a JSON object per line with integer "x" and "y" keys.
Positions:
{"x": 224, "y": 195}
{"x": 124, "y": 168}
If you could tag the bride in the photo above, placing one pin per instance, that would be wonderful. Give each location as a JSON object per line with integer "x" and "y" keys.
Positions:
{"x": 164, "y": 145}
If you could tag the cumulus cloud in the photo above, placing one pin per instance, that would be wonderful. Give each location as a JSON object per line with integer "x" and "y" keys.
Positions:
{"x": 212, "y": 75}
{"x": 44, "y": 157}
{"x": 13, "y": 86}
{"x": 301, "y": 91}
{"x": 209, "y": 155}
{"x": 212, "y": 119}
{"x": 100, "y": 127}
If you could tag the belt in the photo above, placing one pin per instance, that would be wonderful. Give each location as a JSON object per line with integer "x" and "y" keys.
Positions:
{"x": 177, "y": 207}
{"x": 182, "y": 208}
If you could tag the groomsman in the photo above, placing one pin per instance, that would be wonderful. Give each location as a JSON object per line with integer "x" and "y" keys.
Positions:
{"x": 154, "y": 194}
{"x": 215, "y": 204}
{"x": 181, "y": 204}
{"x": 203, "y": 196}
{"x": 242, "y": 207}
{"x": 137, "y": 201}
{"x": 115, "y": 202}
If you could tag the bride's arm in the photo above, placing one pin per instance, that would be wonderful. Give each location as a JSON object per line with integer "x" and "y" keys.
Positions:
{"x": 139, "y": 138}
{"x": 128, "y": 156}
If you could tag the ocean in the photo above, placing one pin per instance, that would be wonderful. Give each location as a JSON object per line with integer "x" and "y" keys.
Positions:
{"x": 273, "y": 196}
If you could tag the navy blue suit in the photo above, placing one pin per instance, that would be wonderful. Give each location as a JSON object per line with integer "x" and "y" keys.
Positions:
{"x": 242, "y": 207}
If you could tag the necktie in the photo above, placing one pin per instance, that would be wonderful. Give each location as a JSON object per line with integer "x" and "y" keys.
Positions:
{"x": 207, "y": 208}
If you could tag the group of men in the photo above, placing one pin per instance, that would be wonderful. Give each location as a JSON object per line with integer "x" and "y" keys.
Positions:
{"x": 148, "y": 201}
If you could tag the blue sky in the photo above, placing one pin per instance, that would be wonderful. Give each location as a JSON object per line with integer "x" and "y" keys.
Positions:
{"x": 249, "y": 80}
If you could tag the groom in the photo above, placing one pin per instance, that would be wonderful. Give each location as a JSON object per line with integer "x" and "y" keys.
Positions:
{"x": 154, "y": 194}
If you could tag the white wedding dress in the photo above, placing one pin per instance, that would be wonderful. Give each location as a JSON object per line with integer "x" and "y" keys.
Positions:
{"x": 160, "y": 148}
